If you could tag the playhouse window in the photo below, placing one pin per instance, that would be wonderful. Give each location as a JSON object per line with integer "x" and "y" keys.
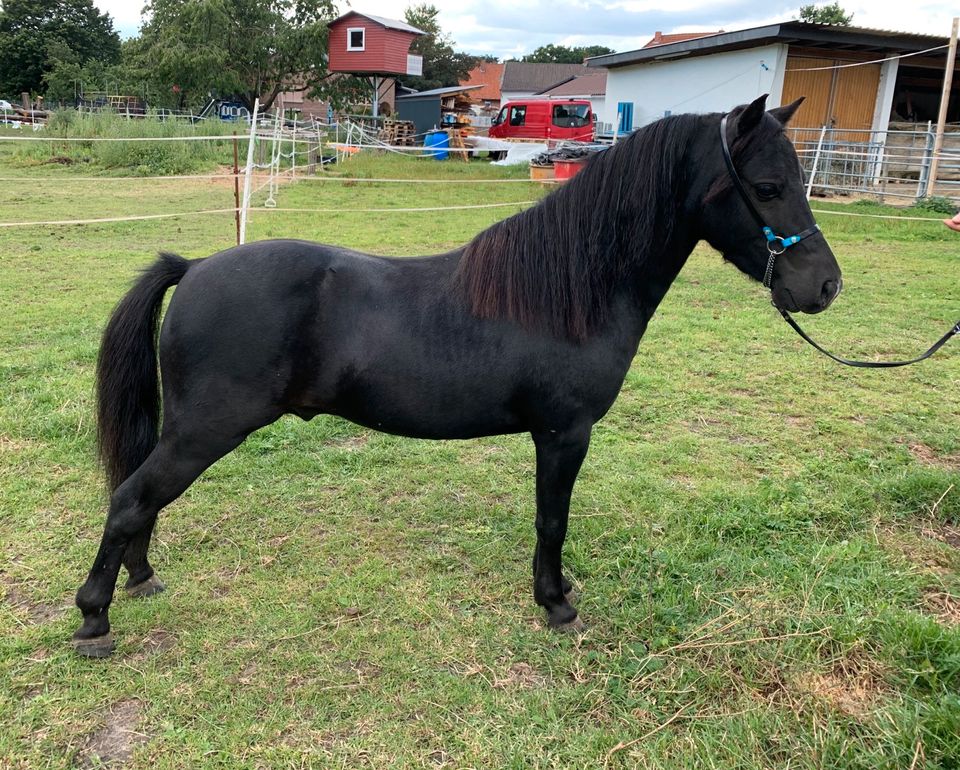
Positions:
{"x": 355, "y": 38}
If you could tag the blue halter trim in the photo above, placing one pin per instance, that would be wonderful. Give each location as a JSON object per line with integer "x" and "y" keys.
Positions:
{"x": 786, "y": 243}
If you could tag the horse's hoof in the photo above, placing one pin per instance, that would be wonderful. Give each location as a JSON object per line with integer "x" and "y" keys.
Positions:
{"x": 152, "y": 585}
{"x": 575, "y": 626}
{"x": 569, "y": 595}
{"x": 95, "y": 646}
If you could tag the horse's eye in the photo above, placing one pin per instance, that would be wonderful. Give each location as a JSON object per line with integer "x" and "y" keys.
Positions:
{"x": 766, "y": 192}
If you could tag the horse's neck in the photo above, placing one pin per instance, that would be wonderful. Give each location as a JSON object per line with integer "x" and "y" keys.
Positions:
{"x": 652, "y": 278}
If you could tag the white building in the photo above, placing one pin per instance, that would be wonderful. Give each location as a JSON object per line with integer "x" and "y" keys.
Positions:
{"x": 718, "y": 71}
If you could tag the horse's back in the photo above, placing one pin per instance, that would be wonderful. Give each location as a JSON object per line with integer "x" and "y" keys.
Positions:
{"x": 289, "y": 321}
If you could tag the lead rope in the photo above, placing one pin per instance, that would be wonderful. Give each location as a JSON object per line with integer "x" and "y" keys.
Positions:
{"x": 784, "y": 244}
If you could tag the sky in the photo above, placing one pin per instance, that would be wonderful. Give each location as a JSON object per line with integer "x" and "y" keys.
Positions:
{"x": 511, "y": 28}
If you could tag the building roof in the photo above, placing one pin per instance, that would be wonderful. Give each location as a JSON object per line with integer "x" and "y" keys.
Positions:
{"x": 830, "y": 37}
{"x": 439, "y": 92}
{"x": 592, "y": 84}
{"x": 383, "y": 22}
{"x": 676, "y": 37}
{"x": 487, "y": 75}
{"x": 534, "y": 76}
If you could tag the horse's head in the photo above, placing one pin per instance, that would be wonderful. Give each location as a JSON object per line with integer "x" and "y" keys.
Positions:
{"x": 755, "y": 208}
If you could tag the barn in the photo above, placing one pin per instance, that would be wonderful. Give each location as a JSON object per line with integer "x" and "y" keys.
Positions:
{"x": 714, "y": 72}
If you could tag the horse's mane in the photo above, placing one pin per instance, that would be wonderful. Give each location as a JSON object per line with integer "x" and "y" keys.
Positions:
{"x": 555, "y": 265}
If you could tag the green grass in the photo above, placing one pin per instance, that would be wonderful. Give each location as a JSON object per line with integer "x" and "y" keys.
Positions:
{"x": 765, "y": 544}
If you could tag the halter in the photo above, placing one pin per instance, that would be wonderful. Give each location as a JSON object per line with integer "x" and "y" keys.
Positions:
{"x": 777, "y": 244}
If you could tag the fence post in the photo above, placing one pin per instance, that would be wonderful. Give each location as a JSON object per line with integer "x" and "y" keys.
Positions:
{"x": 816, "y": 161}
{"x": 944, "y": 104}
{"x": 248, "y": 173}
{"x": 925, "y": 162}
{"x": 236, "y": 186}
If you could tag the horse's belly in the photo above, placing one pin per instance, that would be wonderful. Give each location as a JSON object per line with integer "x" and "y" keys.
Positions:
{"x": 404, "y": 409}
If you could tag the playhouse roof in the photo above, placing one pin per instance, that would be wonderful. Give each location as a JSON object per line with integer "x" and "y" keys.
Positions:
{"x": 384, "y": 22}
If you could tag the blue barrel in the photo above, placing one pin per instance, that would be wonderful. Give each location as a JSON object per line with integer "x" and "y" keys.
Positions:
{"x": 437, "y": 139}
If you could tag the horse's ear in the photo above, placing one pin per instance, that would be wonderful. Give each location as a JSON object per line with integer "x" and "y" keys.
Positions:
{"x": 785, "y": 113}
{"x": 752, "y": 115}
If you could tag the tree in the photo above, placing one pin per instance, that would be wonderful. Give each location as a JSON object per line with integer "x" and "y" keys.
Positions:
{"x": 442, "y": 66}
{"x": 826, "y": 14}
{"x": 66, "y": 73}
{"x": 562, "y": 54}
{"x": 242, "y": 48}
{"x": 33, "y": 32}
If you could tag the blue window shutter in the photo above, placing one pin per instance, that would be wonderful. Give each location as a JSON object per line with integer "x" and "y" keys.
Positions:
{"x": 625, "y": 111}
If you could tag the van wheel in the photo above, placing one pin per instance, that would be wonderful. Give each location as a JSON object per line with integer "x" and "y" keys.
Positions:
{"x": 498, "y": 155}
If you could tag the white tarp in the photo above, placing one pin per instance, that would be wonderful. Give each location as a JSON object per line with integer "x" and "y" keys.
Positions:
{"x": 517, "y": 152}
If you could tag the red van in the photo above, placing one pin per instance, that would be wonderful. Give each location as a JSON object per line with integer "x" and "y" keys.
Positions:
{"x": 544, "y": 119}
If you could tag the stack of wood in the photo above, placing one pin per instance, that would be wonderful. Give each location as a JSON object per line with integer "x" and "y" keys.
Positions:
{"x": 400, "y": 133}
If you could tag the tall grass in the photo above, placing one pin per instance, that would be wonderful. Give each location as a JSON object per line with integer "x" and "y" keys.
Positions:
{"x": 139, "y": 158}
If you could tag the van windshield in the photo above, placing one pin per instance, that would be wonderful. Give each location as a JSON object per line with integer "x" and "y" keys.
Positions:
{"x": 571, "y": 115}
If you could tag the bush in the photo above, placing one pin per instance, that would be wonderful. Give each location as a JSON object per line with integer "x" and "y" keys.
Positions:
{"x": 141, "y": 158}
{"x": 938, "y": 204}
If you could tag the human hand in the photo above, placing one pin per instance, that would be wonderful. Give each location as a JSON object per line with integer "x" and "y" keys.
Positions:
{"x": 953, "y": 224}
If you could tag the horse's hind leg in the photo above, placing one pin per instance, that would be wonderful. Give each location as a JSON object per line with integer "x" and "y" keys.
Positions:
{"x": 559, "y": 456}
{"x": 143, "y": 580}
{"x": 178, "y": 459}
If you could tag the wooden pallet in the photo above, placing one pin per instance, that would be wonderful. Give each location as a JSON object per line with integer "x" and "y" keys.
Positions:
{"x": 399, "y": 133}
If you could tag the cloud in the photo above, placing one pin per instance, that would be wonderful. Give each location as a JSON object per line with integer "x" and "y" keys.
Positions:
{"x": 509, "y": 28}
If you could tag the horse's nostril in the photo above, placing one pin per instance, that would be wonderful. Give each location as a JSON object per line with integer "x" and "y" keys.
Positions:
{"x": 830, "y": 291}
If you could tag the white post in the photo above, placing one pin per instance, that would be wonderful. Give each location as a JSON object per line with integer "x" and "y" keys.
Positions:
{"x": 293, "y": 151}
{"x": 319, "y": 149}
{"x": 275, "y": 152}
{"x": 248, "y": 173}
{"x": 816, "y": 162}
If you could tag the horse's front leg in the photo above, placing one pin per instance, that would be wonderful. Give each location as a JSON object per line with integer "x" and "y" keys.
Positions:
{"x": 559, "y": 456}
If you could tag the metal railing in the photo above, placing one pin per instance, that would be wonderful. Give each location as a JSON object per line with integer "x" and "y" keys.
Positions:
{"x": 893, "y": 163}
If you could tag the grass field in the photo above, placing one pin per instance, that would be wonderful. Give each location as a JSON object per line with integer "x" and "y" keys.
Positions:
{"x": 766, "y": 546}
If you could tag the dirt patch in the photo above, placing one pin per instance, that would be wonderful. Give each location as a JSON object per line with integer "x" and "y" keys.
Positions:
{"x": 350, "y": 443}
{"x": 949, "y": 535}
{"x": 521, "y": 676}
{"x": 115, "y": 742}
{"x": 928, "y": 456}
{"x": 156, "y": 641}
{"x": 247, "y": 675}
{"x": 852, "y": 686}
{"x": 943, "y": 606}
{"x": 8, "y": 444}
{"x": 945, "y": 533}
{"x": 701, "y": 424}
{"x": 35, "y": 612}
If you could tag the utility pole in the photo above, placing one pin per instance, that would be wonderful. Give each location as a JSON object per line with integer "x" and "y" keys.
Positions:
{"x": 944, "y": 103}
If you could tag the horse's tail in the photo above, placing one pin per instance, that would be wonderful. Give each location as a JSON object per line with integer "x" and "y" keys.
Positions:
{"x": 128, "y": 394}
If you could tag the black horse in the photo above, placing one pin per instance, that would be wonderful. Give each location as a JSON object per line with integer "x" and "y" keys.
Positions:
{"x": 530, "y": 327}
